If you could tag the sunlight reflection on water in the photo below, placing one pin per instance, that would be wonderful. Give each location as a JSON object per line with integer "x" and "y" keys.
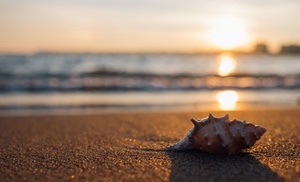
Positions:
{"x": 227, "y": 99}
{"x": 227, "y": 65}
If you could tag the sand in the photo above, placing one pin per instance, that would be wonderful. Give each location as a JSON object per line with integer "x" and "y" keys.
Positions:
{"x": 122, "y": 147}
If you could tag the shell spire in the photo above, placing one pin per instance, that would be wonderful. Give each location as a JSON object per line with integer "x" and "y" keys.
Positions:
{"x": 220, "y": 135}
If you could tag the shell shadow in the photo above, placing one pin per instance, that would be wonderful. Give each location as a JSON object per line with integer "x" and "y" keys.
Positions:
{"x": 195, "y": 166}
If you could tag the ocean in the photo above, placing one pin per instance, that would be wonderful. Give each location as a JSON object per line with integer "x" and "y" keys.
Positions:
{"x": 74, "y": 83}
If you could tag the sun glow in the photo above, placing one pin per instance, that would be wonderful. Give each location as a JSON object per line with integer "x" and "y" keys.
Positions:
{"x": 227, "y": 99}
{"x": 228, "y": 33}
{"x": 227, "y": 65}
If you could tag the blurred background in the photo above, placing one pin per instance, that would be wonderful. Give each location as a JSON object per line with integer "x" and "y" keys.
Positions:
{"x": 113, "y": 56}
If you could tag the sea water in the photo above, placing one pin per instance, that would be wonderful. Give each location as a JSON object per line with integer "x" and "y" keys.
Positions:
{"x": 69, "y": 82}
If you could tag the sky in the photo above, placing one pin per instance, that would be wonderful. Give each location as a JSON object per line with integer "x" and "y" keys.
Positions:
{"x": 28, "y": 26}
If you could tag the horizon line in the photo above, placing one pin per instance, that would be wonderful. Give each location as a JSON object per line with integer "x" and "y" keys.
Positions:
{"x": 143, "y": 52}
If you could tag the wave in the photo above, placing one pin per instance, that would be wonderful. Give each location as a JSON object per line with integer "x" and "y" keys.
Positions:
{"x": 110, "y": 80}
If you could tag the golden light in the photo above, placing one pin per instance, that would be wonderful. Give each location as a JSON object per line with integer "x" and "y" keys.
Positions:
{"x": 227, "y": 99}
{"x": 228, "y": 32}
{"x": 227, "y": 65}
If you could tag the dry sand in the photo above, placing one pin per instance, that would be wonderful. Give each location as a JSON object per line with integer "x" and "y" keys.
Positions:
{"x": 121, "y": 147}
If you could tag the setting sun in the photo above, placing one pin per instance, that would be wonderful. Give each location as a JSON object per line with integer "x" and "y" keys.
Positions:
{"x": 227, "y": 99}
{"x": 228, "y": 33}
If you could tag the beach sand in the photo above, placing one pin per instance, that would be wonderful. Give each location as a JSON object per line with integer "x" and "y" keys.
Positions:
{"x": 122, "y": 147}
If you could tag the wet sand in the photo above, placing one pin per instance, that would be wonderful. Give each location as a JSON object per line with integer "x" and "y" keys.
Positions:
{"x": 122, "y": 147}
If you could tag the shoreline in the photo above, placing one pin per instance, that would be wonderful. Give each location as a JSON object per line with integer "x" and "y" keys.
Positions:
{"x": 139, "y": 109}
{"x": 36, "y": 104}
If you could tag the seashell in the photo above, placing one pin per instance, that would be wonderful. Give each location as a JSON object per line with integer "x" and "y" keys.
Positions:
{"x": 220, "y": 135}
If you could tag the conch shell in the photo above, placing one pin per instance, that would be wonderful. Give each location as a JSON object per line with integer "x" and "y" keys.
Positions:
{"x": 220, "y": 135}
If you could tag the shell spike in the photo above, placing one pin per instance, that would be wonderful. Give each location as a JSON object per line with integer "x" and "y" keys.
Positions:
{"x": 194, "y": 121}
{"x": 226, "y": 117}
{"x": 211, "y": 117}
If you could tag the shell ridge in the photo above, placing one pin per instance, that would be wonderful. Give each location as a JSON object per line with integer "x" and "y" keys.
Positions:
{"x": 230, "y": 135}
